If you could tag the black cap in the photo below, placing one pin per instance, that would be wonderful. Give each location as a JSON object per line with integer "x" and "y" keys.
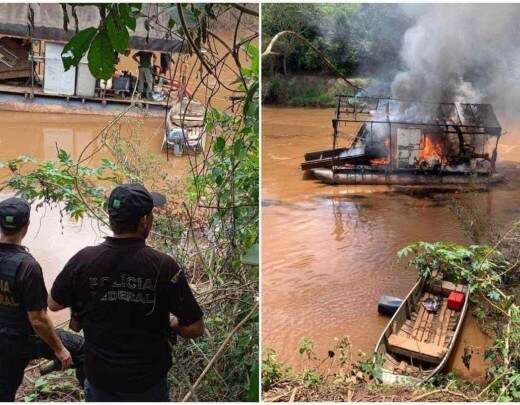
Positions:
{"x": 132, "y": 201}
{"x": 14, "y": 213}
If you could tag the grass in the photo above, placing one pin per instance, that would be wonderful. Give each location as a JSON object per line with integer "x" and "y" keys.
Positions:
{"x": 354, "y": 379}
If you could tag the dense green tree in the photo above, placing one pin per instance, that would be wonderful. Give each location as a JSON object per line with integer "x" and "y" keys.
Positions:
{"x": 361, "y": 39}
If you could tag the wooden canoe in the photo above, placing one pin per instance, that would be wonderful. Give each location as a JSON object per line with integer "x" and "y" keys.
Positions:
{"x": 416, "y": 344}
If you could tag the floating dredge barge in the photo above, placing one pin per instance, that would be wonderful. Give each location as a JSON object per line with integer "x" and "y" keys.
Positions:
{"x": 400, "y": 142}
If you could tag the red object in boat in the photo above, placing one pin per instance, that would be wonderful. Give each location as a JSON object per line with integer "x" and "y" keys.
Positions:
{"x": 456, "y": 300}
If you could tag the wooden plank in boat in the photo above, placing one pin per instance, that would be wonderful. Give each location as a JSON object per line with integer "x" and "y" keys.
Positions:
{"x": 390, "y": 363}
{"x": 442, "y": 319}
{"x": 407, "y": 327}
{"x": 418, "y": 320}
{"x": 423, "y": 325}
{"x": 419, "y": 350}
{"x": 391, "y": 359}
{"x": 445, "y": 328}
{"x": 445, "y": 287}
{"x": 427, "y": 327}
{"x": 448, "y": 287}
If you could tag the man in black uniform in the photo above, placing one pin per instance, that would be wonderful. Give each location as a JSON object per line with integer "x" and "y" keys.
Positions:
{"x": 26, "y": 332}
{"x": 124, "y": 292}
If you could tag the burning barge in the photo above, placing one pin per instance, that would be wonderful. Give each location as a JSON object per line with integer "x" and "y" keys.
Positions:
{"x": 400, "y": 142}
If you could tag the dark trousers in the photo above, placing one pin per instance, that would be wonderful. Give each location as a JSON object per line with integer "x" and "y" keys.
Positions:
{"x": 158, "y": 393}
{"x": 17, "y": 352}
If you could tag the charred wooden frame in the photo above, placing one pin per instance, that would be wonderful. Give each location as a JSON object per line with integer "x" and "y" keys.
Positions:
{"x": 472, "y": 124}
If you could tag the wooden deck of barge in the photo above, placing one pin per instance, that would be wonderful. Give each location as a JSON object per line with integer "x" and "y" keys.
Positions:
{"x": 23, "y": 98}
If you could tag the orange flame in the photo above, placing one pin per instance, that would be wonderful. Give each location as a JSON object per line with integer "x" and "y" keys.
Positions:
{"x": 429, "y": 149}
{"x": 382, "y": 160}
{"x": 379, "y": 161}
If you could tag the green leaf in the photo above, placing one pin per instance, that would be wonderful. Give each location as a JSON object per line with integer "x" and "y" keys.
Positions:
{"x": 252, "y": 52}
{"x": 63, "y": 156}
{"x": 493, "y": 295}
{"x": 77, "y": 47}
{"x": 40, "y": 382}
{"x": 251, "y": 257}
{"x": 101, "y": 60}
{"x": 118, "y": 34}
{"x": 219, "y": 145}
{"x": 249, "y": 97}
{"x": 239, "y": 147}
{"x": 126, "y": 16}
{"x": 30, "y": 397}
{"x": 253, "y": 394}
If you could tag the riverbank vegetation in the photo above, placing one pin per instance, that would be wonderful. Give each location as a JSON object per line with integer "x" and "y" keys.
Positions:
{"x": 362, "y": 40}
{"x": 492, "y": 272}
{"x": 305, "y": 90}
{"x": 210, "y": 224}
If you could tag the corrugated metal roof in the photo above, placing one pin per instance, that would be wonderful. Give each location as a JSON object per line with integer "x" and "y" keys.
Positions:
{"x": 48, "y": 24}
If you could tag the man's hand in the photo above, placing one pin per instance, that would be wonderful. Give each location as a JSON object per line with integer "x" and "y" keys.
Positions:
{"x": 194, "y": 330}
{"x": 64, "y": 357}
{"x": 174, "y": 323}
{"x": 44, "y": 328}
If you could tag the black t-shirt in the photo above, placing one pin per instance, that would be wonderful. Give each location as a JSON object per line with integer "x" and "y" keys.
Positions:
{"x": 165, "y": 61}
{"x": 145, "y": 59}
{"x": 135, "y": 288}
{"x": 29, "y": 283}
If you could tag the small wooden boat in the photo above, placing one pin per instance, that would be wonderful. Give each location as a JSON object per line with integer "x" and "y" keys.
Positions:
{"x": 417, "y": 343}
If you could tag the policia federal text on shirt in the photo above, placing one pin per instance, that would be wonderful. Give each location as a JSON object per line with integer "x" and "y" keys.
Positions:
{"x": 129, "y": 290}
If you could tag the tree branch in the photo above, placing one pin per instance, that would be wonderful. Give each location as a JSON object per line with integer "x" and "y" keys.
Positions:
{"x": 244, "y": 9}
{"x": 184, "y": 26}
{"x": 269, "y": 51}
{"x": 219, "y": 353}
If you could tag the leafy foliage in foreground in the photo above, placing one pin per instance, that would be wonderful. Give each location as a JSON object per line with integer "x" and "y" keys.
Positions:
{"x": 337, "y": 369}
{"x": 103, "y": 44}
{"x": 487, "y": 272}
{"x": 231, "y": 186}
{"x": 60, "y": 386}
{"x": 228, "y": 189}
{"x": 65, "y": 181}
{"x": 481, "y": 267}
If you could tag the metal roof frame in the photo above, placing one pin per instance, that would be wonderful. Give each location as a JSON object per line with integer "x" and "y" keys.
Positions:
{"x": 48, "y": 26}
{"x": 471, "y": 119}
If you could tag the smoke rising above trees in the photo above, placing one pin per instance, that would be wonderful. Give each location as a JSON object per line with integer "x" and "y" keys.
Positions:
{"x": 437, "y": 52}
{"x": 461, "y": 52}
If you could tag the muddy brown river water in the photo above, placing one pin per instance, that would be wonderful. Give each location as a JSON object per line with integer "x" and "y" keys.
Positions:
{"x": 52, "y": 239}
{"x": 328, "y": 252}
